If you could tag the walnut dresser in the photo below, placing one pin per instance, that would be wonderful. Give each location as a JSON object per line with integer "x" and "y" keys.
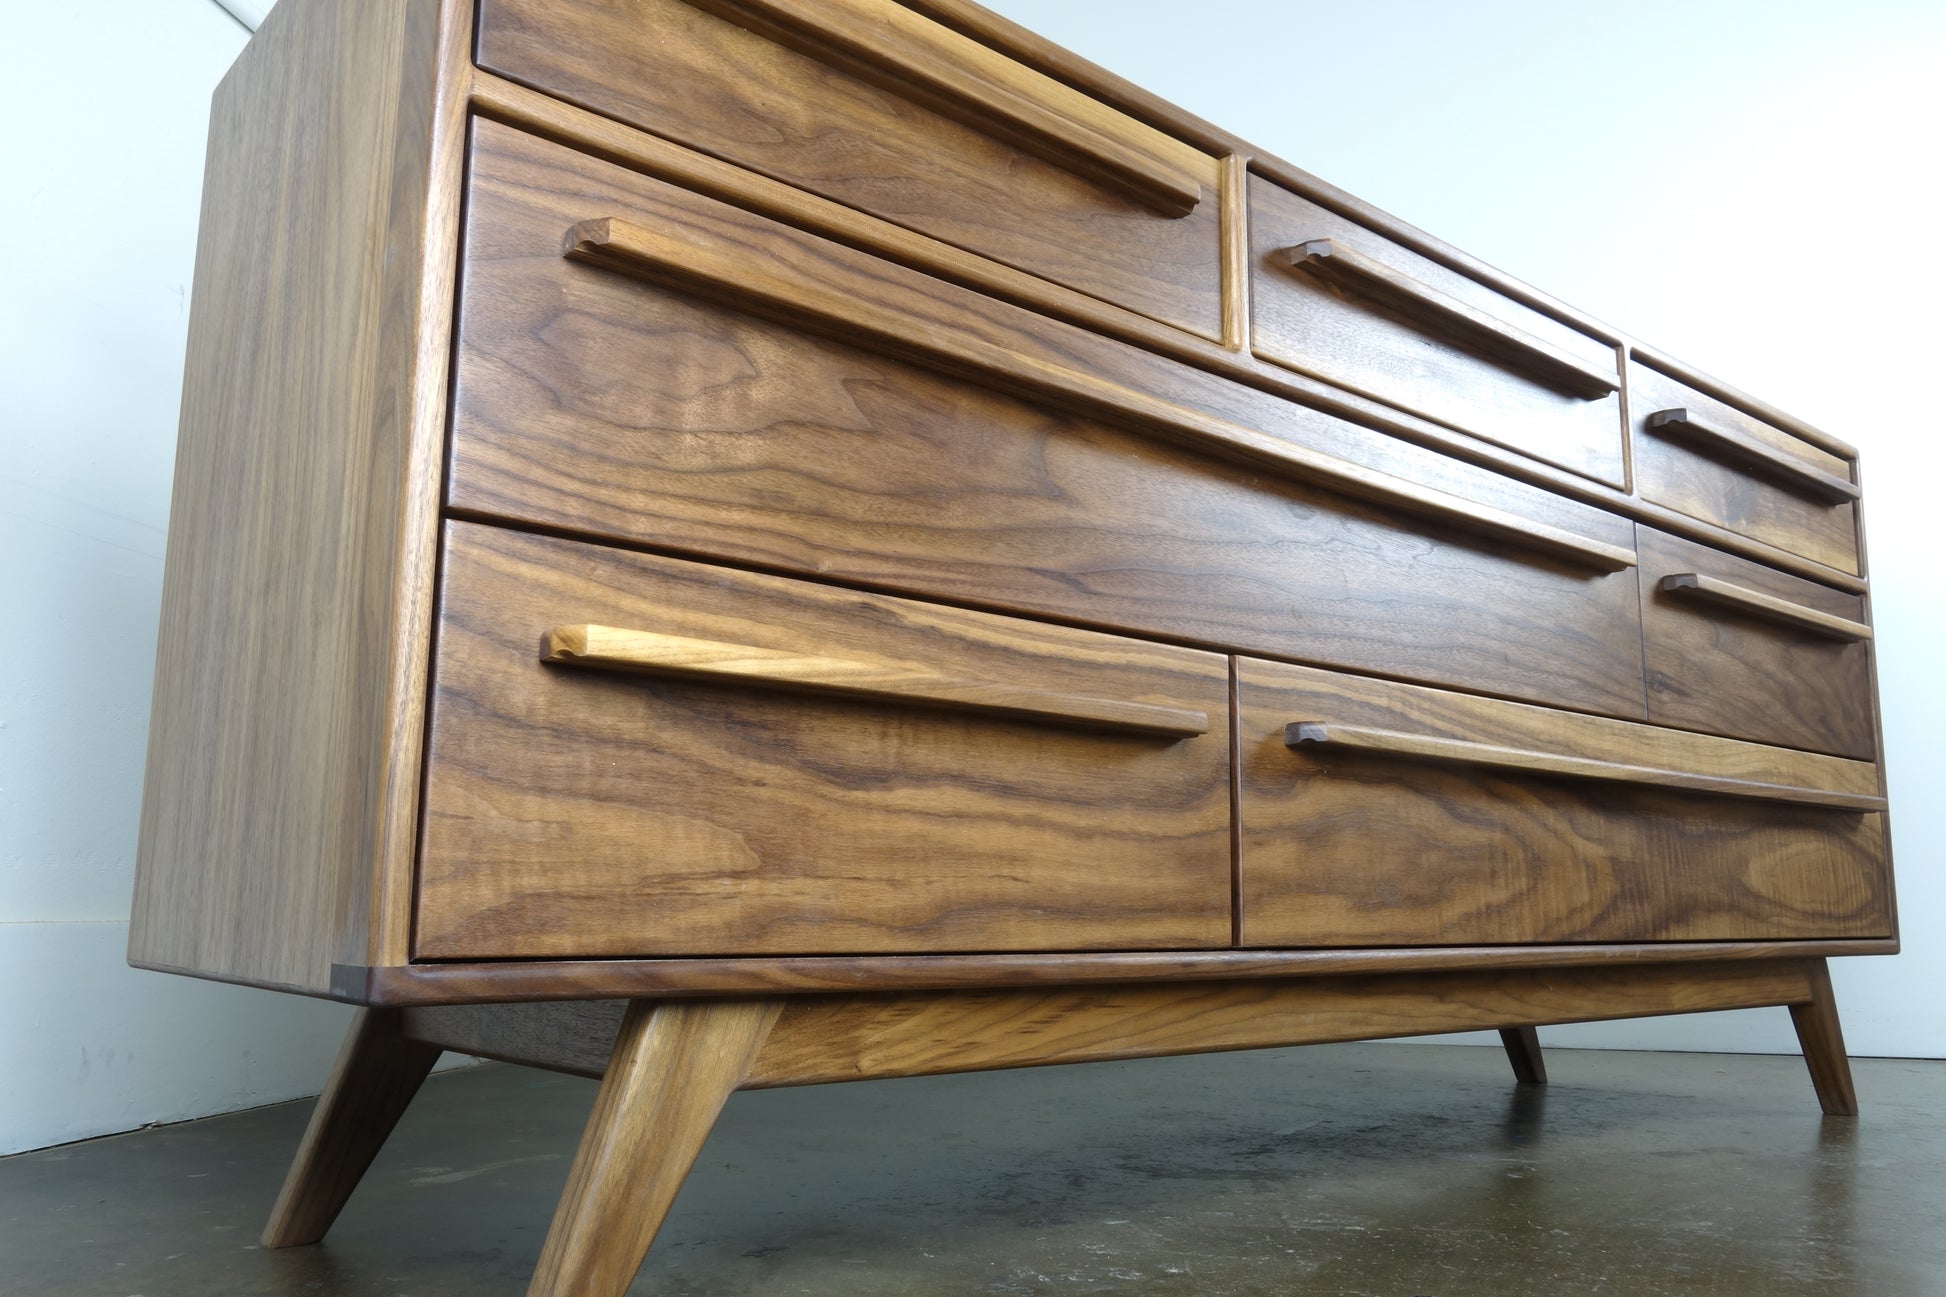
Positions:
{"x": 731, "y": 543}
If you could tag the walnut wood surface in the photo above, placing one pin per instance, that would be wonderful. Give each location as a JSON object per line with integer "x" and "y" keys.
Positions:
{"x": 574, "y": 813}
{"x": 1703, "y": 587}
{"x": 700, "y": 80}
{"x": 1823, "y": 1041}
{"x": 1768, "y": 461}
{"x": 1731, "y": 670}
{"x": 378, "y": 1072}
{"x": 1523, "y": 1046}
{"x": 857, "y": 675}
{"x": 1306, "y": 319}
{"x": 1700, "y": 478}
{"x": 674, "y": 1065}
{"x": 1360, "y": 849}
{"x": 592, "y": 402}
{"x": 284, "y": 737}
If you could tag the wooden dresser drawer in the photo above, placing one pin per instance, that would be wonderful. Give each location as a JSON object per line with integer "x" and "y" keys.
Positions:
{"x": 873, "y": 106}
{"x": 1708, "y": 459}
{"x": 1378, "y": 814}
{"x": 727, "y": 764}
{"x": 668, "y": 414}
{"x": 1734, "y": 647}
{"x": 1332, "y": 299}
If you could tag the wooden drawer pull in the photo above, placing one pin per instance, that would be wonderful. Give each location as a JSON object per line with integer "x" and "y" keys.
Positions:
{"x": 1694, "y": 585}
{"x": 763, "y": 284}
{"x": 609, "y": 648}
{"x": 885, "y": 43}
{"x": 1421, "y": 302}
{"x": 1713, "y": 436}
{"x": 1428, "y": 747}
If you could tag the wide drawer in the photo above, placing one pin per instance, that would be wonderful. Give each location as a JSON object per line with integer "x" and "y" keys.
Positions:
{"x": 633, "y": 755}
{"x": 876, "y": 107}
{"x": 1734, "y": 647}
{"x": 1708, "y": 459}
{"x": 1381, "y": 814}
{"x": 1332, "y": 299}
{"x": 678, "y": 414}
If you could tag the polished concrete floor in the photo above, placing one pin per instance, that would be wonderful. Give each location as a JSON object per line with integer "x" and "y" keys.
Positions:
{"x": 1383, "y": 1170}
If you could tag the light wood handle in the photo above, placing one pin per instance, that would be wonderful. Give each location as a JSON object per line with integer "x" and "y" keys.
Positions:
{"x": 611, "y": 648}
{"x": 1694, "y": 427}
{"x": 1708, "y": 589}
{"x": 1429, "y": 747}
{"x": 1536, "y": 357}
{"x": 774, "y": 288}
{"x": 890, "y": 45}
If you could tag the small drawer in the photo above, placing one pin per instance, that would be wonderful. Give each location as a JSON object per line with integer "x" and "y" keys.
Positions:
{"x": 1381, "y": 814}
{"x": 633, "y": 755}
{"x": 876, "y": 107}
{"x": 1708, "y": 459}
{"x": 1733, "y": 647}
{"x": 1332, "y": 299}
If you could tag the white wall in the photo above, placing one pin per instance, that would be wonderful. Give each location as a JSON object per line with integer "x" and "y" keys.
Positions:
{"x": 1753, "y": 186}
{"x": 1717, "y": 177}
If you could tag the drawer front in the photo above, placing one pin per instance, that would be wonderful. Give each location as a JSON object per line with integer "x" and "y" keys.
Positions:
{"x": 873, "y": 106}
{"x": 1408, "y": 816}
{"x": 591, "y": 401}
{"x": 719, "y": 763}
{"x": 1332, "y": 299}
{"x": 1734, "y": 647}
{"x": 1710, "y": 460}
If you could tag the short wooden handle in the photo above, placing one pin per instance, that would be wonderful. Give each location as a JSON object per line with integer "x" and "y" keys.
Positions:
{"x": 616, "y": 649}
{"x": 1709, "y": 589}
{"x": 772, "y": 286}
{"x": 1431, "y": 747}
{"x": 1713, "y": 436}
{"x": 890, "y": 45}
{"x": 1538, "y": 358}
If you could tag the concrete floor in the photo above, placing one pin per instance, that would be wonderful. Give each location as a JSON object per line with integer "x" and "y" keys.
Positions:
{"x": 1384, "y": 1170}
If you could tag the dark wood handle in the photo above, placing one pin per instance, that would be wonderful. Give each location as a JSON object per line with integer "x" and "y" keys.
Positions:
{"x": 615, "y": 649}
{"x": 1519, "y": 350}
{"x": 1713, "y": 436}
{"x": 780, "y": 291}
{"x": 1430, "y": 747}
{"x": 1709, "y": 589}
{"x": 885, "y": 43}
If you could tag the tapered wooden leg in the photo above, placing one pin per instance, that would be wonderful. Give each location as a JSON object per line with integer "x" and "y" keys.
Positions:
{"x": 1824, "y": 1044}
{"x": 674, "y": 1065}
{"x": 1524, "y": 1052}
{"x": 377, "y": 1073}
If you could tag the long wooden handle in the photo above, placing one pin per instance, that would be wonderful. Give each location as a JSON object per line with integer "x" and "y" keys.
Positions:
{"x": 886, "y": 43}
{"x": 1430, "y": 747}
{"x": 775, "y": 289}
{"x": 615, "y": 649}
{"x": 1536, "y": 357}
{"x": 1709, "y": 589}
{"x": 1695, "y": 427}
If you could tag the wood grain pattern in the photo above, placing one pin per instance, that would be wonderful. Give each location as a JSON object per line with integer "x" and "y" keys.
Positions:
{"x": 585, "y": 813}
{"x": 1362, "y": 850}
{"x": 378, "y": 1072}
{"x": 284, "y": 740}
{"x": 1413, "y": 299}
{"x": 1426, "y": 747}
{"x": 695, "y": 78}
{"x": 1698, "y": 478}
{"x": 858, "y": 676}
{"x": 1766, "y": 459}
{"x": 1736, "y": 670}
{"x": 595, "y": 403}
{"x": 1762, "y": 411}
{"x": 1823, "y": 1041}
{"x": 572, "y": 1036}
{"x": 1727, "y": 594}
{"x": 1310, "y": 323}
{"x": 674, "y": 1065}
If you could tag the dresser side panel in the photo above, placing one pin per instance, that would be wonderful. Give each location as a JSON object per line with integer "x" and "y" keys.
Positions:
{"x": 276, "y": 770}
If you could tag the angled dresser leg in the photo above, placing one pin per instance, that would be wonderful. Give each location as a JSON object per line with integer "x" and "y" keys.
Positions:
{"x": 1523, "y": 1046}
{"x": 377, "y": 1073}
{"x": 674, "y": 1065}
{"x": 1823, "y": 1041}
